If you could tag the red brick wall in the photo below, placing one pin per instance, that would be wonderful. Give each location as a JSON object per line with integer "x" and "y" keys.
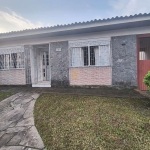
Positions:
{"x": 91, "y": 76}
{"x": 12, "y": 77}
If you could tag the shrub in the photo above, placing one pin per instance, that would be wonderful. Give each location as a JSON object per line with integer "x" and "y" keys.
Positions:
{"x": 146, "y": 80}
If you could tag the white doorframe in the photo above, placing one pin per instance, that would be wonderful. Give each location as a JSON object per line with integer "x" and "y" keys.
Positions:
{"x": 41, "y": 83}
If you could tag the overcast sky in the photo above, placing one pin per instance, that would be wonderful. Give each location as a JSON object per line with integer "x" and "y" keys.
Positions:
{"x": 24, "y": 14}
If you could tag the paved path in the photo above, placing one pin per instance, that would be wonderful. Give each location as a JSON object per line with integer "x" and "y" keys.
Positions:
{"x": 17, "y": 130}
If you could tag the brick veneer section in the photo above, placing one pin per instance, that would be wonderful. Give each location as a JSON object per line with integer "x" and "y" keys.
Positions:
{"x": 91, "y": 76}
{"x": 12, "y": 77}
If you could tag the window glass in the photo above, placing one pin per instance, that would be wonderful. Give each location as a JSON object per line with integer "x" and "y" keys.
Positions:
{"x": 85, "y": 53}
{"x": 104, "y": 55}
{"x": 22, "y": 60}
{"x": 43, "y": 60}
{"x": 90, "y": 56}
{"x": 7, "y": 61}
{"x": 47, "y": 59}
{"x": 1, "y": 61}
{"x": 12, "y": 60}
{"x": 76, "y": 60}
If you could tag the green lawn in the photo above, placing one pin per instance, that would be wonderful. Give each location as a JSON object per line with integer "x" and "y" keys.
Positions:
{"x": 72, "y": 122}
{"x": 4, "y": 95}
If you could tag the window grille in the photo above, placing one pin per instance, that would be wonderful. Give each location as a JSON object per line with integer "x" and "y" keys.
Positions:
{"x": 144, "y": 53}
{"x": 47, "y": 59}
{"x": 1, "y": 61}
{"x": 12, "y": 61}
{"x": 7, "y": 61}
{"x": 90, "y": 56}
{"x": 85, "y": 52}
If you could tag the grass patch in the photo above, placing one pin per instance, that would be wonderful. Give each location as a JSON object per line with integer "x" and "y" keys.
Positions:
{"x": 4, "y": 95}
{"x": 72, "y": 122}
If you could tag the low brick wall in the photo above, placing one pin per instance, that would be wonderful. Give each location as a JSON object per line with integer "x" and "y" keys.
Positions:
{"x": 91, "y": 76}
{"x": 12, "y": 77}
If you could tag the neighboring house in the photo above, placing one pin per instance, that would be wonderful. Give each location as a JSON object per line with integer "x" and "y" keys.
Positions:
{"x": 111, "y": 52}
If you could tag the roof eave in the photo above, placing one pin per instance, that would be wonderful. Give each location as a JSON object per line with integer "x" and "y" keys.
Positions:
{"x": 76, "y": 26}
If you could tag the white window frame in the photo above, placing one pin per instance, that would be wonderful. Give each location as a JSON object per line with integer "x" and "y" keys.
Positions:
{"x": 9, "y": 51}
{"x": 87, "y": 43}
{"x": 82, "y": 59}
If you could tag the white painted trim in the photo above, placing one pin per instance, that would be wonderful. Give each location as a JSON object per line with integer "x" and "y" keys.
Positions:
{"x": 110, "y": 54}
{"x": 80, "y": 56}
{"x": 32, "y": 65}
{"x": 50, "y": 63}
{"x": 69, "y": 56}
{"x": 34, "y": 72}
{"x": 41, "y": 85}
{"x": 12, "y": 69}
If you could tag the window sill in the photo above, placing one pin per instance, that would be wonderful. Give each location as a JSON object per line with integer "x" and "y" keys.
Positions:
{"x": 12, "y": 69}
{"x": 89, "y": 66}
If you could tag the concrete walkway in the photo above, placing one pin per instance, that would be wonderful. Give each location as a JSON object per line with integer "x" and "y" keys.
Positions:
{"x": 17, "y": 130}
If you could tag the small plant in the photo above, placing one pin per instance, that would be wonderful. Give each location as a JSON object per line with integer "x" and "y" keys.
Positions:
{"x": 146, "y": 80}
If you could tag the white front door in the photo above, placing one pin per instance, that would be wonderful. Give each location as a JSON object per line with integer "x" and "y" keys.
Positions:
{"x": 45, "y": 66}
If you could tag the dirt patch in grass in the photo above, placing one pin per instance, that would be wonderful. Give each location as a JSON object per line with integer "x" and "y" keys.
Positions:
{"x": 73, "y": 122}
{"x": 4, "y": 95}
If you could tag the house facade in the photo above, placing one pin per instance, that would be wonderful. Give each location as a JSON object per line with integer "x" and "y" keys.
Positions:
{"x": 109, "y": 52}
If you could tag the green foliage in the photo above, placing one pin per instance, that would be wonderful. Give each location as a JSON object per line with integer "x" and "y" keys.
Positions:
{"x": 146, "y": 80}
{"x": 4, "y": 95}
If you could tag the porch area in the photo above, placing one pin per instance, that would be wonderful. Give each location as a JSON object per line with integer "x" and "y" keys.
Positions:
{"x": 40, "y": 66}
